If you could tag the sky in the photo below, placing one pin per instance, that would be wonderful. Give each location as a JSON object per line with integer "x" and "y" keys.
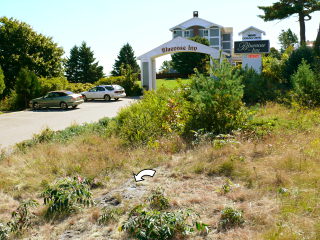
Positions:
{"x": 106, "y": 25}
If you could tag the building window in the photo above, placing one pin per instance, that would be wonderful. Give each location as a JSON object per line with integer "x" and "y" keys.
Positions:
{"x": 214, "y": 32}
{"x": 226, "y": 45}
{"x": 177, "y": 33}
{"x": 205, "y": 33}
{"x": 187, "y": 34}
{"x": 226, "y": 37}
{"x": 214, "y": 41}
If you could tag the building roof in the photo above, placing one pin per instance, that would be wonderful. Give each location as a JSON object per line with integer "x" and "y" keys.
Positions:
{"x": 253, "y": 28}
{"x": 195, "y": 21}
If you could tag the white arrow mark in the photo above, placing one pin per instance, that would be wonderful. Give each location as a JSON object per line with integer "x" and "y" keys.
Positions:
{"x": 146, "y": 172}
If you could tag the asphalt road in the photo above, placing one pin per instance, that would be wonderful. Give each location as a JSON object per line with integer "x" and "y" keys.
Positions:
{"x": 18, "y": 126}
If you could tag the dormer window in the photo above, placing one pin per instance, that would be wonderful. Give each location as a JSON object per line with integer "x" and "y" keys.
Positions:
{"x": 187, "y": 33}
{"x": 177, "y": 33}
{"x": 205, "y": 32}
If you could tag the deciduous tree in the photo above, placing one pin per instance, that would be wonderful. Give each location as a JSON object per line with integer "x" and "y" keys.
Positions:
{"x": 21, "y": 47}
{"x": 287, "y": 38}
{"x": 286, "y": 8}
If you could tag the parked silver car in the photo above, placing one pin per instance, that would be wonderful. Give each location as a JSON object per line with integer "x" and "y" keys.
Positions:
{"x": 106, "y": 92}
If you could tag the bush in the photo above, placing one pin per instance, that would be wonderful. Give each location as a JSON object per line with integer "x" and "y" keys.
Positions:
{"x": 9, "y": 103}
{"x": 52, "y": 84}
{"x": 306, "y": 86}
{"x": 230, "y": 218}
{"x": 159, "y": 113}
{"x": 79, "y": 87}
{"x": 148, "y": 225}
{"x": 216, "y": 102}
{"x": 2, "y": 84}
{"x": 109, "y": 215}
{"x": 128, "y": 81}
{"x": 157, "y": 200}
{"x": 22, "y": 218}
{"x": 67, "y": 195}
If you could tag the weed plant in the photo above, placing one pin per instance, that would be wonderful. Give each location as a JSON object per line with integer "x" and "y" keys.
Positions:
{"x": 66, "y": 196}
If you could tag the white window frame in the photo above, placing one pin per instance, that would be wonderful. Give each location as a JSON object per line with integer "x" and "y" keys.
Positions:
{"x": 205, "y": 31}
{"x": 184, "y": 33}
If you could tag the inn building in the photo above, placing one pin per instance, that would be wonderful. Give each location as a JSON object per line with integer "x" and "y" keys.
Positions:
{"x": 219, "y": 37}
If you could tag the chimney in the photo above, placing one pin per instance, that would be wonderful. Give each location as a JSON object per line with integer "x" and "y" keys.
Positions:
{"x": 195, "y": 14}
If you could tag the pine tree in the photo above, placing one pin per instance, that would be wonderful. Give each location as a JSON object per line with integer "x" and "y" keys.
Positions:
{"x": 126, "y": 57}
{"x": 72, "y": 65}
{"x": 285, "y": 8}
{"x": 27, "y": 87}
{"x": 81, "y": 66}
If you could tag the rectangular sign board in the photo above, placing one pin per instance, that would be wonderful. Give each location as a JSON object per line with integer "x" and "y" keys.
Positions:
{"x": 262, "y": 46}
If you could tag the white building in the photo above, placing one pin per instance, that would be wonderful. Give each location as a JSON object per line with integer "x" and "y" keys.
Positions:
{"x": 219, "y": 37}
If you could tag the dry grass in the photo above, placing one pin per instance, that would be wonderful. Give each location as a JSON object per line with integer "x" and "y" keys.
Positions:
{"x": 275, "y": 178}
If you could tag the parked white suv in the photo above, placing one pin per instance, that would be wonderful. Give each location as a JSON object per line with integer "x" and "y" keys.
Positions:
{"x": 105, "y": 92}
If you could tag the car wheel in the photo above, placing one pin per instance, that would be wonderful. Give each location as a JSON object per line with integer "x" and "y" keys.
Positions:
{"x": 107, "y": 97}
{"x": 85, "y": 98}
{"x": 75, "y": 106}
{"x": 64, "y": 106}
{"x": 35, "y": 106}
{"x": 116, "y": 99}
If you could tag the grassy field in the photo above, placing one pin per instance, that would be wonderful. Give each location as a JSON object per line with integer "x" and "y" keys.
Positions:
{"x": 170, "y": 83}
{"x": 271, "y": 172}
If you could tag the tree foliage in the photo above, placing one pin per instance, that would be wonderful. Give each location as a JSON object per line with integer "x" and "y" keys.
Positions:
{"x": 2, "y": 85}
{"x": 81, "y": 66}
{"x": 21, "y": 47}
{"x": 186, "y": 62}
{"x": 27, "y": 87}
{"x": 286, "y": 8}
{"x": 287, "y": 38}
{"x": 125, "y": 58}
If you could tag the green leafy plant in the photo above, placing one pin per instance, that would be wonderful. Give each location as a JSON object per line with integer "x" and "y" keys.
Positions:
{"x": 109, "y": 215}
{"x": 66, "y": 196}
{"x": 227, "y": 186}
{"x": 148, "y": 225}
{"x": 22, "y": 218}
{"x": 4, "y": 231}
{"x": 157, "y": 200}
{"x": 230, "y": 218}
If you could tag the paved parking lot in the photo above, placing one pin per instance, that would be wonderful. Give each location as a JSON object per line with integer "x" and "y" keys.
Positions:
{"x": 18, "y": 126}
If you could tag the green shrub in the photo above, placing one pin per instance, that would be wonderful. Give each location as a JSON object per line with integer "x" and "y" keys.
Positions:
{"x": 306, "y": 86}
{"x": 9, "y": 103}
{"x": 230, "y": 218}
{"x": 52, "y": 84}
{"x": 2, "y": 84}
{"x": 66, "y": 195}
{"x": 157, "y": 200}
{"x": 226, "y": 169}
{"x": 159, "y": 113}
{"x": 128, "y": 81}
{"x": 22, "y": 217}
{"x": 295, "y": 59}
{"x": 79, "y": 87}
{"x": 216, "y": 102}
{"x": 148, "y": 225}
{"x": 109, "y": 215}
